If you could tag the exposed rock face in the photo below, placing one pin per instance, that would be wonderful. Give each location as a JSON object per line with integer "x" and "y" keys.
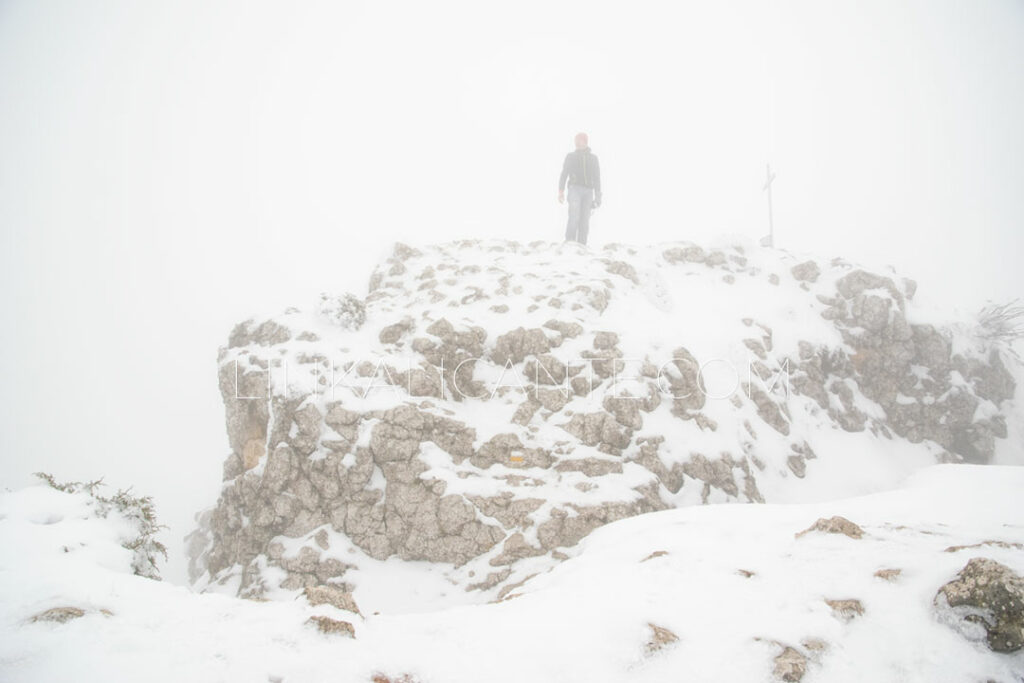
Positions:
{"x": 491, "y": 402}
{"x": 927, "y": 392}
{"x": 989, "y": 596}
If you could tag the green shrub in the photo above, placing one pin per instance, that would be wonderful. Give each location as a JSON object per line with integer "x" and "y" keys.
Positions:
{"x": 137, "y": 509}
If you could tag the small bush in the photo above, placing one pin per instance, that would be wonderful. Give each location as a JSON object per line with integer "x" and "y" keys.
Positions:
{"x": 346, "y": 310}
{"x": 138, "y": 509}
{"x": 1001, "y": 324}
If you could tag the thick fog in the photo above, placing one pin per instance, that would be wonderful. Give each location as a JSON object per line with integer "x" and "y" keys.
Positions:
{"x": 169, "y": 169}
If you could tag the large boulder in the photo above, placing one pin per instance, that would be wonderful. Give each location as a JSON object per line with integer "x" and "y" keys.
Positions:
{"x": 489, "y": 403}
{"x": 986, "y": 602}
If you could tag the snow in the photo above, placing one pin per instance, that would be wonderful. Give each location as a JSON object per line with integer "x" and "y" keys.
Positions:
{"x": 585, "y": 618}
{"x": 582, "y": 620}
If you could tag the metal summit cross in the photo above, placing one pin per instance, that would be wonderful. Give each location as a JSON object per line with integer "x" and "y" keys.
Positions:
{"x": 769, "y": 239}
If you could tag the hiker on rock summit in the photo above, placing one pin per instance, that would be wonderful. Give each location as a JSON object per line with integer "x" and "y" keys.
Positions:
{"x": 584, "y": 175}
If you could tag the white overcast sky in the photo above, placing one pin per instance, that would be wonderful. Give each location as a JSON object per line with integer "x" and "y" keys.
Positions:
{"x": 170, "y": 168}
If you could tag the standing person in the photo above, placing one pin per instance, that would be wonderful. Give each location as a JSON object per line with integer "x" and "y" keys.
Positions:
{"x": 583, "y": 172}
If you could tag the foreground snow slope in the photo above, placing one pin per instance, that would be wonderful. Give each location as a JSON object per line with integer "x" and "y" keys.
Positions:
{"x": 729, "y": 587}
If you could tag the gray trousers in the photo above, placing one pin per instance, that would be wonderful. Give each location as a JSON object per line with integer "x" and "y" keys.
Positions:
{"x": 580, "y": 199}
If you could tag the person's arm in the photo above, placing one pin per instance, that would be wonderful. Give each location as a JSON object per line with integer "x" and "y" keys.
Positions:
{"x": 597, "y": 182}
{"x": 562, "y": 177}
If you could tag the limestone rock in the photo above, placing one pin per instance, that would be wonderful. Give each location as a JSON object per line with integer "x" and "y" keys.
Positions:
{"x": 808, "y": 271}
{"x": 660, "y": 638}
{"x": 656, "y": 553}
{"x": 888, "y": 574}
{"x": 599, "y": 429}
{"x": 567, "y": 329}
{"x": 834, "y": 525}
{"x": 846, "y": 609}
{"x": 333, "y": 626}
{"x": 59, "y": 615}
{"x": 790, "y": 665}
{"x": 331, "y": 595}
{"x": 391, "y": 334}
{"x": 516, "y": 345}
{"x": 435, "y": 463}
{"x": 986, "y": 596}
{"x": 685, "y": 383}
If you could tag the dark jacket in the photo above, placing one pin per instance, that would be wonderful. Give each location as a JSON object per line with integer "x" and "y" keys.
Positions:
{"x": 581, "y": 168}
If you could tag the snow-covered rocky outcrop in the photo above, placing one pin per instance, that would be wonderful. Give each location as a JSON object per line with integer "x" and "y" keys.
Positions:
{"x": 487, "y": 405}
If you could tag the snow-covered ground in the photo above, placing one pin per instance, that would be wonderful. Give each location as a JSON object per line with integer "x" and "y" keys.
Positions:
{"x": 733, "y": 584}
